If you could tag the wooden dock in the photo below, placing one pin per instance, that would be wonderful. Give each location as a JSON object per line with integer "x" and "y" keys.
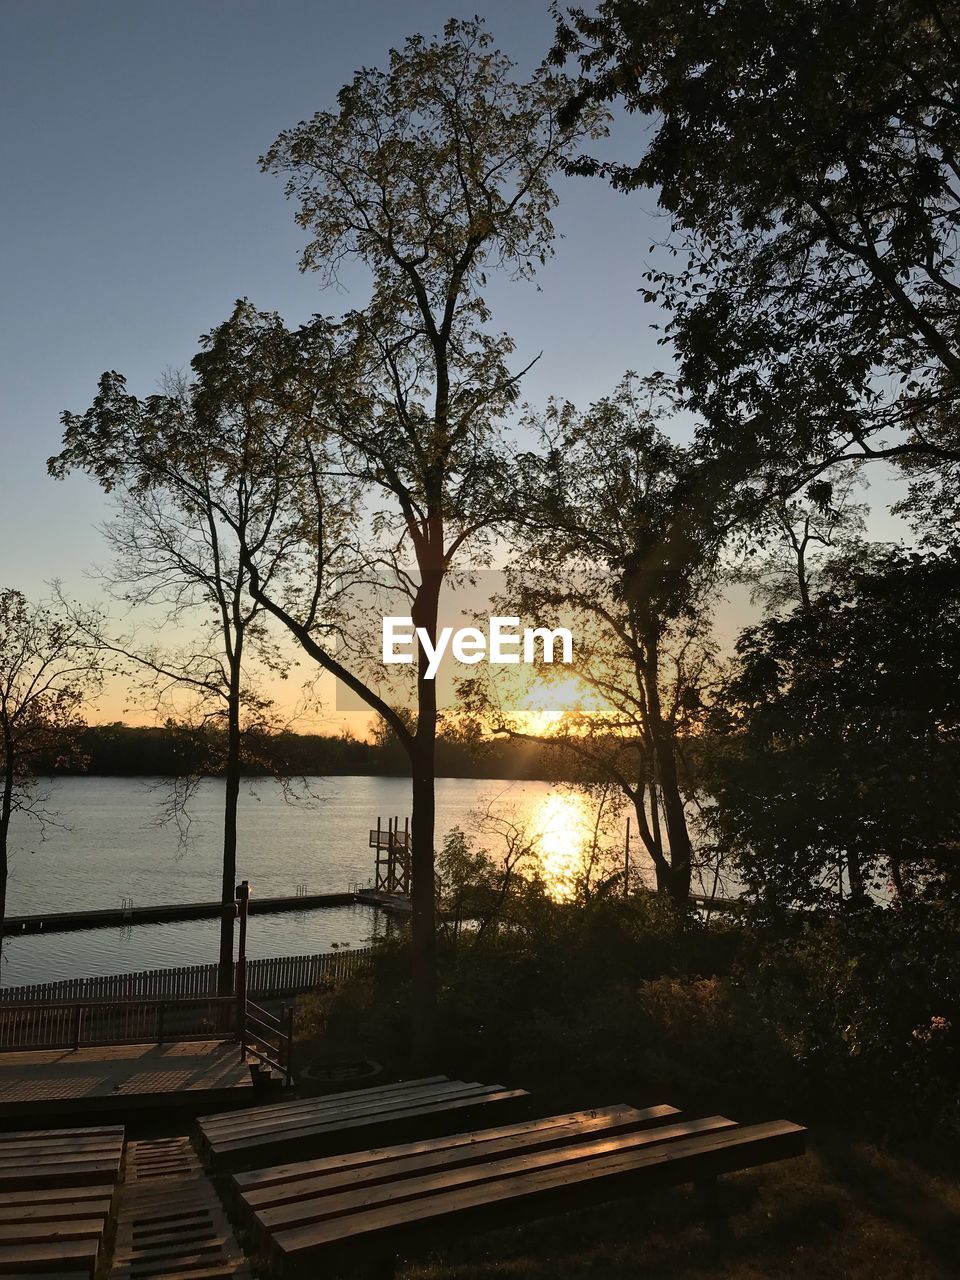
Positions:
{"x": 117, "y": 917}
{"x": 396, "y": 904}
{"x": 122, "y": 1076}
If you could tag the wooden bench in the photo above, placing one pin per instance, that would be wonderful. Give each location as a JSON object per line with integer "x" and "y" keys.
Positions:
{"x": 313, "y": 1217}
{"x": 331, "y": 1124}
{"x": 56, "y": 1192}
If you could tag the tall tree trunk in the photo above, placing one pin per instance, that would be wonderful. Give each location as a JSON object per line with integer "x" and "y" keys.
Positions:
{"x": 650, "y": 835}
{"x": 678, "y": 836}
{"x": 423, "y": 819}
{"x": 896, "y": 876}
{"x": 6, "y": 808}
{"x": 230, "y": 802}
{"x": 858, "y": 892}
{"x": 677, "y": 880}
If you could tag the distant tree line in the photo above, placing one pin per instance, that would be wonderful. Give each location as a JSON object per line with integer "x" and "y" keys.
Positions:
{"x": 175, "y": 751}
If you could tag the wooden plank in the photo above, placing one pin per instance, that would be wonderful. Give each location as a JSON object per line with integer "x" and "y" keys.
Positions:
{"x": 300, "y": 1115}
{"x": 432, "y": 1180}
{"x": 37, "y": 1232}
{"x": 46, "y": 1147}
{"x": 53, "y": 1195}
{"x": 548, "y": 1127}
{"x": 217, "y": 1271}
{"x": 375, "y": 1110}
{"x": 233, "y": 1118}
{"x": 661, "y": 1164}
{"x": 114, "y": 1131}
{"x": 564, "y": 1141}
{"x": 59, "y": 1175}
{"x": 69, "y": 1255}
{"x": 43, "y": 1275}
{"x": 172, "y": 1224}
{"x": 52, "y": 1211}
{"x": 38, "y": 1162}
{"x": 398, "y": 1118}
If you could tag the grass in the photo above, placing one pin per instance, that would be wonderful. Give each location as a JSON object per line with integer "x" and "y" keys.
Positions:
{"x": 845, "y": 1209}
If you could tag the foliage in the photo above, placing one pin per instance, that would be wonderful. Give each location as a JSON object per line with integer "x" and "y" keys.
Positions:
{"x": 852, "y": 1019}
{"x": 807, "y": 157}
{"x": 48, "y": 672}
{"x": 472, "y": 888}
{"x": 868, "y": 1009}
{"x": 790, "y": 544}
{"x": 836, "y": 745}
{"x": 619, "y": 540}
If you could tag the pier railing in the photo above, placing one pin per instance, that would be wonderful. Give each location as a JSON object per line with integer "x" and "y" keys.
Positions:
{"x": 267, "y": 977}
{"x": 79, "y": 1023}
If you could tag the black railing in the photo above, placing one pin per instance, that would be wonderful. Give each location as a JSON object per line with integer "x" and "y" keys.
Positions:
{"x": 268, "y": 1038}
{"x": 79, "y": 1023}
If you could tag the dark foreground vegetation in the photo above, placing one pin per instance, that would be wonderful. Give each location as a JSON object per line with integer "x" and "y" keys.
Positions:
{"x": 842, "y": 1022}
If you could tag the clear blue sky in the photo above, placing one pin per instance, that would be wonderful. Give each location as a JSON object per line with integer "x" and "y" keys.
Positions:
{"x": 134, "y": 213}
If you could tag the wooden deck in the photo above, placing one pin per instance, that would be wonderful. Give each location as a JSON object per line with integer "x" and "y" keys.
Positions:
{"x": 113, "y": 1077}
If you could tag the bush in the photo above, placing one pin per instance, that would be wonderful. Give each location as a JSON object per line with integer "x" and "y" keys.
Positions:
{"x": 849, "y": 1018}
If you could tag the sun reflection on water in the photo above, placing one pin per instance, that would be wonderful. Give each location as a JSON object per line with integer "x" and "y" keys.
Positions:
{"x": 563, "y": 837}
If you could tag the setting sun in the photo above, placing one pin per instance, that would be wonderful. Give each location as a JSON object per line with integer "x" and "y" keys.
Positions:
{"x": 544, "y": 707}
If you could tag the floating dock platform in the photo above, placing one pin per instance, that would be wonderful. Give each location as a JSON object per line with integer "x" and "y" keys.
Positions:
{"x": 118, "y": 917}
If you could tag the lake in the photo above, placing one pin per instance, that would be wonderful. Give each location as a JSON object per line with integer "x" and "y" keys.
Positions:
{"x": 107, "y": 847}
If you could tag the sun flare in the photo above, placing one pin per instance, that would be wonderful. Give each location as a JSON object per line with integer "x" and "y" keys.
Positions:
{"x": 543, "y": 708}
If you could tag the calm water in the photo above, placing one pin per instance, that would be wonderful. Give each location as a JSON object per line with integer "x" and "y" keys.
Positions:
{"x": 109, "y": 848}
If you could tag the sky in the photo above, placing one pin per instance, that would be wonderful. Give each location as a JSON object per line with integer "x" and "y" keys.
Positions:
{"x": 133, "y": 214}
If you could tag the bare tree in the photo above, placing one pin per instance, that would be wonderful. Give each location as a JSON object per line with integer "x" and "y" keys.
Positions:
{"x": 191, "y": 494}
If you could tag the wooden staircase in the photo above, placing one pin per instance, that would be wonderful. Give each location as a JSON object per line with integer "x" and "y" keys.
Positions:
{"x": 171, "y": 1225}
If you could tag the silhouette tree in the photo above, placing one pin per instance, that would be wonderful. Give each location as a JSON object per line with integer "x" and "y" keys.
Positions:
{"x": 835, "y": 749}
{"x": 48, "y": 672}
{"x": 788, "y": 545}
{"x": 807, "y": 157}
{"x": 432, "y": 174}
{"x": 620, "y": 535}
{"x": 193, "y": 487}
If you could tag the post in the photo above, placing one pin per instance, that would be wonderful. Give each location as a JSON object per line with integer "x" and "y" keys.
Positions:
{"x": 76, "y": 1026}
{"x": 288, "y": 1011}
{"x": 376, "y": 855}
{"x": 406, "y": 856}
{"x": 160, "y": 1014}
{"x": 242, "y": 894}
{"x": 626, "y": 860}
